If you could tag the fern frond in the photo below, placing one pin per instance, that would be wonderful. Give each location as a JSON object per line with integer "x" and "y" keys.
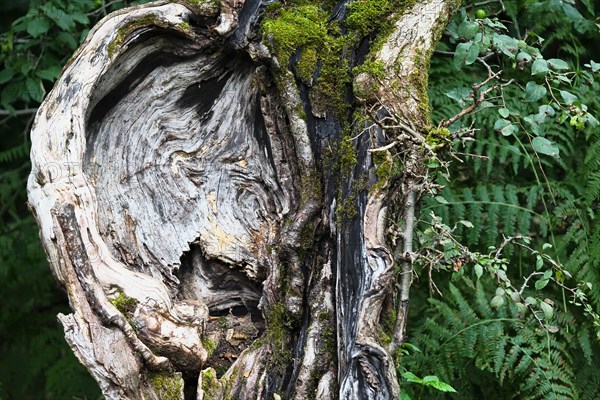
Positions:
{"x": 463, "y": 337}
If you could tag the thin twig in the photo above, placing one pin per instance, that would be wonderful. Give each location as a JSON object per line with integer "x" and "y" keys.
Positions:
{"x": 384, "y": 148}
{"x": 15, "y": 113}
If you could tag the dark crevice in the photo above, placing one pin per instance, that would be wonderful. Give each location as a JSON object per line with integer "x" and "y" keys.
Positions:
{"x": 130, "y": 82}
{"x": 190, "y": 385}
{"x": 221, "y": 287}
{"x": 203, "y": 94}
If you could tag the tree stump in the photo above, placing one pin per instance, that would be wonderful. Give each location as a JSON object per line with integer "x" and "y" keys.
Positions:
{"x": 221, "y": 226}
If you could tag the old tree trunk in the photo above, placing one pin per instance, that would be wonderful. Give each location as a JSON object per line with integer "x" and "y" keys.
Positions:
{"x": 227, "y": 193}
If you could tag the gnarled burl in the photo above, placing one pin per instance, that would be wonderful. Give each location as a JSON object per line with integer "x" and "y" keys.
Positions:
{"x": 192, "y": 204}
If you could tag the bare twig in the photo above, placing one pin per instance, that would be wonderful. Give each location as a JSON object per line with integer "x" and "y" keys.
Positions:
{"x": 478, "y": 97}
{"x": 524, "y": 286}
{"x": 384, "y": 148}
{"x": 15, "y": 113}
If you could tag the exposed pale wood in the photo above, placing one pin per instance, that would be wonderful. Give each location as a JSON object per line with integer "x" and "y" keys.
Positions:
{"x": 174, "y": 168}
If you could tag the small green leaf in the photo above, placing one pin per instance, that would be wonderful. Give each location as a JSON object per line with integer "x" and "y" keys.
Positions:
{"x": 547, "y": 274}
{"x": 515, "y": 296}
{"x": 541, "y": 283}
{"x": 459, "y": 94}
{"x": 60, "y": 17}
{"x": 81, "y": 18}
{"x": 13, "y": 91}
{"x": 26, "y": 67}
{"x": 544, "y": 146}
{"x": 523, "y": 58}
{"x": 497, "y": 302}
{"x": 590, "y": 119}
{"x": 530, "y": 301}
{"x": 539, "y": 67}
{"x": 38, "y": 26}
{"x": 441, "y": 200}
{"x": 539, "y": 262}
{"x": 410, "y": 377}
{"x": 564, "y": 79}
{"x": 569, "y": 98}
{"x": 68, "y": 39}
{"x": 571, "y": 12}
{"x": 547, "y": 309}
{"x": 405, "y": 396}
{"x": 546, "y": 110}
{"x": 478, "y": 270}
{"x": 430, "y": 378}
{"x": 49, "y": 74}
{"x": 466, "y": 54}
{"x": 35, "y": 89}
{"x": 558, "y": 64}
{"x": 467, "y": 29}
{"x": 472, "y": 53}
{"x": 501, "y": 123}
{"x": 594, "y": 66}
{"x": 505, "y": 127}
{"x": 468, "y": 224}
{"x": 504, "y": 112}
{"x": 534, "y": 92}
{"x": 442, "y": 386}
{"x": 6, "y": 75}
{"x": 411, "y": 347}
{"x": 506, "y": 44}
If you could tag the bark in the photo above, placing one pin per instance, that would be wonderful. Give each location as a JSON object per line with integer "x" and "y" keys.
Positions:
{"x": 211, "y": 243}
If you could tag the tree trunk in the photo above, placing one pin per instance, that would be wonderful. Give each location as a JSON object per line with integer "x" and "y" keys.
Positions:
{"x": 225, "y": 222}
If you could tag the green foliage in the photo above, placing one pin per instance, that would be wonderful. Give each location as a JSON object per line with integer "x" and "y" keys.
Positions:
{"x": 522, "y": 325}
{"x": 487, "y": 352}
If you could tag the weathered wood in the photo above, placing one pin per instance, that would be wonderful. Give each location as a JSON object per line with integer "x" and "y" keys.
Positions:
{"x": 184, "y": 203}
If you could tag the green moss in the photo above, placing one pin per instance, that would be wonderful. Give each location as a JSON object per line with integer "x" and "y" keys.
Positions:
{"x": 127, "y": 29}
{"x": 202, "y": 7}
{"x": 386, "y": 167}
{"x": 126, "y": 305}
{"x": 366, "y": 16}
{"x": 347, "y": 158}
{"x": 375, "y": 72}
{"x": 304, "y": 27}
{"x": 209, "y": 345}
{"x": 203, "y": 2}
{"x": 211, "y": 386}
{"x": 167, "y": 386}
{"x": 346, "y": 209}
{"x": 305, "y": 69}
{"x": 437, "y": 137}
{"x": 329, "y": 341}
{"x": 290, "y": 29}
{"x": 420, "y": 83}
{"x": 279, "y": 323}
{"x": 310, "y": 188}
{"x": 184, "y": 25}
